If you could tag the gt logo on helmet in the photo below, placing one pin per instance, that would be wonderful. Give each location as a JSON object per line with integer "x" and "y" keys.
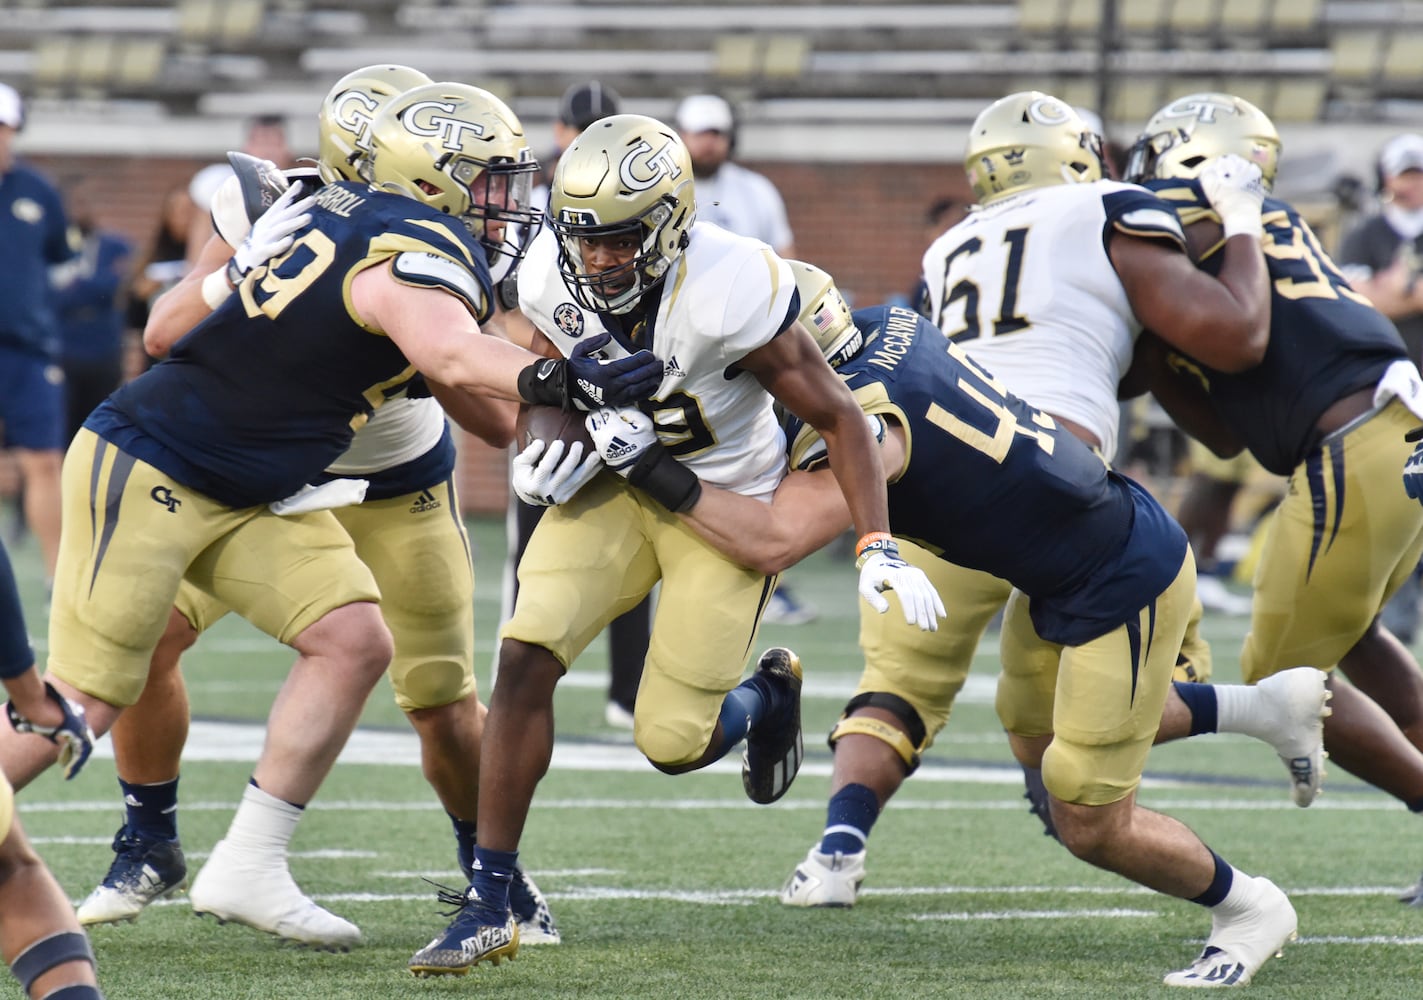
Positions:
{"x": 421, "y": 119}
{"x": 1049, "y": 111}
{"x": 641, "y": 168}
{"x": 1203, "y": 108}
{"x": 356, "y": 110}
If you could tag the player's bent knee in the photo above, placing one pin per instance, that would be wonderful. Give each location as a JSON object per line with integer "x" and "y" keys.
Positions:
{"x": 430, "y": 683}
{"x": 672, "y": 749}
{"x": 1091, "y": 776}
{"x": 48, "y": 952}
{"x": 906, "y": 736}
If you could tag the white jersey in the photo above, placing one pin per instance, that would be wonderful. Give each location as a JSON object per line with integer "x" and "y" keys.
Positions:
{"x": 1025, "y": 286}
{"x": 725, "y": 296}
{"x": 399, "y": 430}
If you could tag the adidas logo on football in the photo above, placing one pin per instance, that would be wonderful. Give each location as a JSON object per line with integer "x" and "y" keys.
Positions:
{"x": 424, "y": 503}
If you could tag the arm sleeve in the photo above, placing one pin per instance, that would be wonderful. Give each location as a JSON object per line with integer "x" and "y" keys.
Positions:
{"x": 16, "y": 655}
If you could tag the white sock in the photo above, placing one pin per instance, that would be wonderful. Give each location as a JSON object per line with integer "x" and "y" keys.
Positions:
{"x": 1241, "y": 897}
{"x": 264, "y": 824}
{"x": 1237, "y": 710}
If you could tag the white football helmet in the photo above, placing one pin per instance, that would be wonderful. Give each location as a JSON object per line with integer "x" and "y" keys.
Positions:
{"x": 626, "y": 175}
{"x": 343, "y": 124}
{"x": 824, "y": 312}
{"x": 1191, "y": 131}
{"x": 1030, "y": 140}
{"x": 461, "y": 150}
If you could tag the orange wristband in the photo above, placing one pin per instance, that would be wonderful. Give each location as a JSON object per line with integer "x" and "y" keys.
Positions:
{"x": 868, "y": 539}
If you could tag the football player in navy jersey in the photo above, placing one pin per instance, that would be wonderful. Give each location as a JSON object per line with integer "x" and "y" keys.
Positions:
{"x": 175, "y": 476}
{"x": 1103, "y": 587}
{"x": 1325, "y": 398}
{"x": 407, "y": 529}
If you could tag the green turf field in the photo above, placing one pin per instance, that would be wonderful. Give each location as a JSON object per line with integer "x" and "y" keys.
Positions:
{"x": 664, "y": 887}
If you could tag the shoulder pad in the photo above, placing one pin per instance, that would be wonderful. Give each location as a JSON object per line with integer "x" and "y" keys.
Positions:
{"x": 1136, "y": 211}
{"x": 431, "y": 270}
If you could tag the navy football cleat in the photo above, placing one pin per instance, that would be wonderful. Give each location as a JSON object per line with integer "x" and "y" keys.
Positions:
{"x": 772, "y": 758}
{"x": 478, "y": 933}
{"x": 145, "y": 869}
{"x": 531, "y": 911}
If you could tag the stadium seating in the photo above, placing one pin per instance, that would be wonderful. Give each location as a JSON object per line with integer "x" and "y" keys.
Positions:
{"x": 1301, "y": 60}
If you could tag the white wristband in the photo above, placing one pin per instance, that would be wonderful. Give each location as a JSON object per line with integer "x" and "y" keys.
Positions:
{"x": 1242, "y": 224}
{"x": 216, "y": 289}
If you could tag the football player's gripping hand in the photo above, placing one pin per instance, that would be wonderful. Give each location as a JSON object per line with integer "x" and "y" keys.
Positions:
{"x": 627, "y": 440}
{"x": 584, "y": 382}
{"x": 1233, "y": 187}
{"x": 1413, "y": 470}
{"x": 882, "y": 568}
{"x": 73, "y": 736}
{"x": 543, "y": 476}
{"x": 272, "y": 233}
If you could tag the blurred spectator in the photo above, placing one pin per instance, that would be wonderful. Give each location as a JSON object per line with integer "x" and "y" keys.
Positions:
{"x": 162, "y": 265}
{"x": 1381, "y": 258}
{"x": 266, "y": 139}
{"x": 728, "y": 194}
{"x": 33, "y": 237}
{"x": 580, "y": 106}
{"x": 91, "y": 299}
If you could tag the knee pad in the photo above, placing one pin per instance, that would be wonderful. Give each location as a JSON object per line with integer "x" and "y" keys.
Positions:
{"x": 48, "y": 952}
{"x": 908, "y": 743}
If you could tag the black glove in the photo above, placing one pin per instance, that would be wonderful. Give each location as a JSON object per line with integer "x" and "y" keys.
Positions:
{"x": 73, "y": 736}
{"x": 584, "y": 382}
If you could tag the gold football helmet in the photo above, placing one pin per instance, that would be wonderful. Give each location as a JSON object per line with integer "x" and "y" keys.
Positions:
{"x": 461, "y": 150}
{"x": 625, "y": 176}
{"x": 824, "y": 312}
{"x": 343, "y": 124}
{"x": 1189, "y": 132}
{"x": 1029, "y": 140}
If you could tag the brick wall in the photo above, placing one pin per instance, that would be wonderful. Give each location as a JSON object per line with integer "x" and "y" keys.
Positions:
{"x": 862, "y": 223}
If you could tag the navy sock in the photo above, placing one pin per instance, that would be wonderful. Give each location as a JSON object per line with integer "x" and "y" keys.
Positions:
{"x": 152, "y": 809}
{"x": 848, "y": 819}
{"x": 1200, "y": 699}
{"x": 493, "y": 871}
{"x": 744, "y": 707}
{"x": 1220, "y": 884}
{"x": 464, "y": 844}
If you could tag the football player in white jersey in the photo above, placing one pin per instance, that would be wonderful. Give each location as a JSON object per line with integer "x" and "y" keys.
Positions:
{"x": 408, "y": 530}
{"x": 1046, "y": 284}
{"x": 624, "y": 265}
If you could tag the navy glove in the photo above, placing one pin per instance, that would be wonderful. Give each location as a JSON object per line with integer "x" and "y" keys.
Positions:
{"x": 1413, "y": 473}
{"x": 73, "y": 736}
{"x": 583, "y": 382}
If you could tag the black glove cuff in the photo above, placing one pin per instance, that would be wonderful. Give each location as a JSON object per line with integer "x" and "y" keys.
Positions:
{"x": 665, "y": 479}
{"x": 235, "y": 274}
{"x": 1414, "y": 435}
{"x": 543, "y": 383}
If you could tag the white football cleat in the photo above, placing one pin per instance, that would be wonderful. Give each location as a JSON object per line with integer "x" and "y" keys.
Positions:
{"x": 825, "y": 880}
{"x": 1295, "y": 703}
{"x": 1240, "y": 944}
{"x": 261, "y": 893}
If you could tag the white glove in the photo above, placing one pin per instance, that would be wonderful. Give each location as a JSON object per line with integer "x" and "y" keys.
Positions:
{"x": 882, "y": 568}
{"x": 547, "y": 478}
{"x": 272, "y": 233}
{"x": 336, "y": 493}
{"x": 1233, "y": 187}
{"x": 622, "y": 435}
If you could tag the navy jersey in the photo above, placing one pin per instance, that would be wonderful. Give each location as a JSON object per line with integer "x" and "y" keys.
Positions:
{"x": 1326, "y": 340}
{"x": 33, "y": 237}
{"x": 258, "y": 399}
{"x": 993, "y": 484}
